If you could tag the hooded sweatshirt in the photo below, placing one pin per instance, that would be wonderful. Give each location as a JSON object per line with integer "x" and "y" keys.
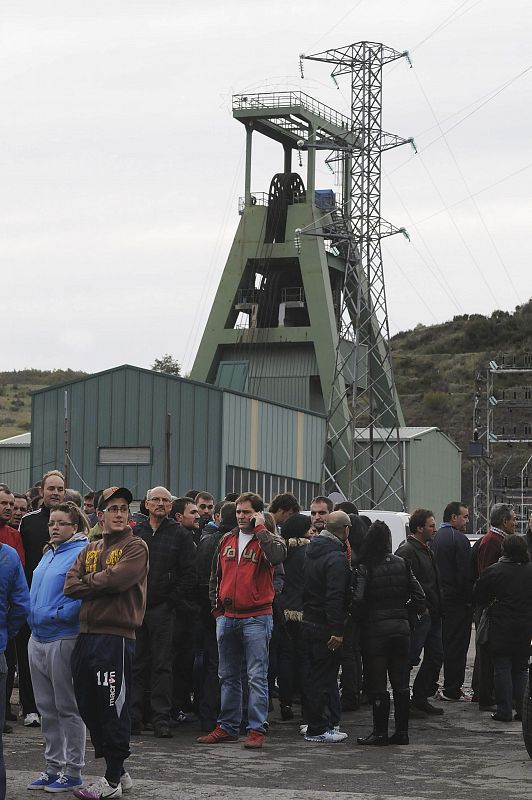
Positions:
{"x": 109, "y": 576}
{"x": 52, "y": 615}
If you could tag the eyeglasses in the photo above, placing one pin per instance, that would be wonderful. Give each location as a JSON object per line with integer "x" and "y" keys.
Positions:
{"x": 164, "y": 500}
{"x": 117, "y": 509}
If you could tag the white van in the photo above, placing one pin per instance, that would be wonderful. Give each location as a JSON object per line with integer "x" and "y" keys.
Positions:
{"x": 397, "y": 521}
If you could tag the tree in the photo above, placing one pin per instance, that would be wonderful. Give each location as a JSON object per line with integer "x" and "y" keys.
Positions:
{"x": 167, "y": 364}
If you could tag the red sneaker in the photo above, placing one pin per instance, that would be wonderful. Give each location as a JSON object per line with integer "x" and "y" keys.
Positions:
{"x": 217, "y": 736}
{"x": 254, "y": 740}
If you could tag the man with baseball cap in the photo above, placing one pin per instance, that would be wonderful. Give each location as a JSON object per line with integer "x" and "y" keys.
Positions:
{"x": 109, "y": 577}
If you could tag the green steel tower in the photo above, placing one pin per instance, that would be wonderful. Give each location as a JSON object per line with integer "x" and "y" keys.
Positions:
{"x": 296, "y": 318}
{"x": 273, "y": 327}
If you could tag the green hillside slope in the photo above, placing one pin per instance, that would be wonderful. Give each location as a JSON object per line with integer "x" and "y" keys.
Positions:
{"x": 435, "y": 368}
{"x": 15, "y": 396}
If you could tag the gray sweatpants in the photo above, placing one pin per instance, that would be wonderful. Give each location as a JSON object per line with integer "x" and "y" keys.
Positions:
{"x": 62, "y": 727}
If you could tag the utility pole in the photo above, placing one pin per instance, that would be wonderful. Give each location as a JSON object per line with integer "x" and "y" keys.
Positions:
{"x": 168, "y": 451}
{"x": 524, "y": 510}
{"x": 66, "y": 438}
{"x": 364, "y": 415}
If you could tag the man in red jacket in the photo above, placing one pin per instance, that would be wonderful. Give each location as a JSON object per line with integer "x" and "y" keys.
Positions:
{"x": 241, "y": 592}
{"x": 502, "y": 524}
{"x": 10, "y": 536}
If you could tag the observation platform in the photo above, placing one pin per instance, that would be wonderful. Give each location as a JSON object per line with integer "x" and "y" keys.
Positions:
{"x": 289, "y": 117}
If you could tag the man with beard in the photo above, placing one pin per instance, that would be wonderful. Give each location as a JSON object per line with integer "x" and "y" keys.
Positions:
{"x": 320, "y": 508}
{"x": 205, "y": 505}
{"x": 186, "y": 514}
{"x": 427, "y": 632}
{"x": 241, "y": 593}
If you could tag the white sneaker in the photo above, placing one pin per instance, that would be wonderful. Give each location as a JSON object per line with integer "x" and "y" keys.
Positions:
{"x": 336, "y": 730}
{"x": 303, "y": 729}
{"x": 464, "y": 698}
{"x": 100, "y": 790}
{"x": 329, "y": 737}
{"x": 125, "y": 782}
{"x": 32, "y": 721}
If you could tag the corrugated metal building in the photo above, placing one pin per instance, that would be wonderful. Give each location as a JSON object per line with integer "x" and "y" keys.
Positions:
{"x": 15, "y": 462}
{"x": 432, "y": 468}
{"x": 133, "y": 427}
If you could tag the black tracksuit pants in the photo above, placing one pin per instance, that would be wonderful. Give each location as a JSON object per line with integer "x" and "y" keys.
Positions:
{"x": 320, "y": 678}
{"x": 101, "y": 671}
{"x": 152, "y": 668}
{"x": 456, "y": 633}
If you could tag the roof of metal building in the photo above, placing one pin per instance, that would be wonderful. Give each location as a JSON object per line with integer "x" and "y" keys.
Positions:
{"x": 22, "y": 440}
{"x": 405, "y": 434}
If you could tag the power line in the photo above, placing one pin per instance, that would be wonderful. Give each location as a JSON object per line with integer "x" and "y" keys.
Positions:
{"x": 331, "y": 29}
{"x": 475, "y": 194}
{"x": 447, "y": 21}
{"x": 460, "y": 234}
{"x": 491, "y": 95}
{"x": 475, "y": 204}
{"x": 438, "y": 276}
{"x": 190, "y": 345}
{"x": 413, "y": 287}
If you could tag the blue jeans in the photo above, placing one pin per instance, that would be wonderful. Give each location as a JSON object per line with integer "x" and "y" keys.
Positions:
{"x": 427, "y": 637}
{"x": 510, "y": 674}
{"x": 3, "y": 679}
{"x": 243, "y": 643}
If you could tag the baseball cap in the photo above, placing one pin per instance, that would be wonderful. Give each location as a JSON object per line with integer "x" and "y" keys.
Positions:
{"x": 114, "y": 491}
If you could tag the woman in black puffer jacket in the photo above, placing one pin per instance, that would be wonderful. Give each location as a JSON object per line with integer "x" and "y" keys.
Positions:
{"x": 296, "y": 533}
{"x": 385, "y": 594}
{"x": 505, "y": 588}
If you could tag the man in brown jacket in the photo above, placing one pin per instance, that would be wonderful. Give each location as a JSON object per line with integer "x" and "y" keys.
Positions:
{"x": 109, "y": 577}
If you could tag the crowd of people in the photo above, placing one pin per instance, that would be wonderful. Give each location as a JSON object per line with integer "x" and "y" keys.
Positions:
{"x": 120, "y": 622}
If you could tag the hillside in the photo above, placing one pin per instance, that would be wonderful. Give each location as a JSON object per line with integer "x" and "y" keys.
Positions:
{"x": 15, "y": 396}
{"x": 435, "y": 368}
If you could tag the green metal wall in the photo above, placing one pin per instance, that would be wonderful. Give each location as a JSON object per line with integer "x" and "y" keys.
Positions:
{"x": 211, "y": 428}
{"x": 433, "y": 472}
{"x": 127, "y": 407}
{"x": 15, "y": 467}
{"x": 432, "y": 467}
{"x": 277, "y": 373}
{"x": 271, "y": 438}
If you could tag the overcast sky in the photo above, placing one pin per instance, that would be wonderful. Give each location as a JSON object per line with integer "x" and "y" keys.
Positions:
{"x": 121, "y": 165}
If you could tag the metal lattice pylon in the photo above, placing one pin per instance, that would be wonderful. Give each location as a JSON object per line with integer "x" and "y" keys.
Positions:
{"x": 363, "y": 458}
{"x": 481, "y": 460}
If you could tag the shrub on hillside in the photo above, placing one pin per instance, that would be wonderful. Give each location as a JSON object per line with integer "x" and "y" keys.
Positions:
{"x": 436, "y": 401}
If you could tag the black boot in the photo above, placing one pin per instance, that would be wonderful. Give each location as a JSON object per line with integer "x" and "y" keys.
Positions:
{"x": 381, "y": 712}
{"x": 286, "y": 712}
{"x": 401, "y": 703}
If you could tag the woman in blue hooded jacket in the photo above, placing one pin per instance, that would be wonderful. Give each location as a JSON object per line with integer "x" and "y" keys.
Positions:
{"x": 54, "y": 623}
